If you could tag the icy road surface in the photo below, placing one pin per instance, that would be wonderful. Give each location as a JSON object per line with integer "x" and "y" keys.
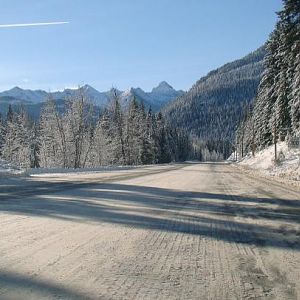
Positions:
{"x": 190, "y": 231}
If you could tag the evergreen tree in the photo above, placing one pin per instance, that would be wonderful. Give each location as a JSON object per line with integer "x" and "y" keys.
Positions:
{"x": 2, "y": 134}
{"x": 276, "y": 109}
{"x": 164, "y": 151}
{"x": 148, "y": 143}
{"x": 19, "y": 140}
{"x": 103, "y": 141}
{"x": 117, "y": 132}
{"x": 133, "y": 134}
{"x": 295, "y": 96}
{"x": 10, "y": 114}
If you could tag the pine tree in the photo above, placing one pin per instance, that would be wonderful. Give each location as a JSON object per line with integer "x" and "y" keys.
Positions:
{"x": 266, "y": 99}
{"x": 133, "y": 138}
{"x": 103, "y": 153}
{"x": 148, "y": 143}
{"x": 2, "y": 134}
{"x": 164, "y": 151}
{"x": 19, "y": 140}
{"x": 10, "y": 114}
{"x": 276, "y": 109}
{"x": 291, "y": 18}
{"x": 295, "y": 96}
{"x": 117, "y": 132}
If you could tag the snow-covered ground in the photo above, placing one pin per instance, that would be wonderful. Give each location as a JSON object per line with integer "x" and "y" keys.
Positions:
{"x": 7, "y": 169}
{"x": 286, "y": 168}
{"x": 53, "y": 172}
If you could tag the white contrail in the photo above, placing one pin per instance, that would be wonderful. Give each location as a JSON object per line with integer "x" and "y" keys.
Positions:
{"x": 31, "y": 24}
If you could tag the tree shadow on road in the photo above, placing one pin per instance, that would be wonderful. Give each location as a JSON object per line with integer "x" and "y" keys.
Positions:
{"x": 41, "y": 289}
{"x": 226, "y": 217}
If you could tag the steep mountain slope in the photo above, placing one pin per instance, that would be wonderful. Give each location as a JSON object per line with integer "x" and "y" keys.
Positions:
{"x": 212, "y": 108}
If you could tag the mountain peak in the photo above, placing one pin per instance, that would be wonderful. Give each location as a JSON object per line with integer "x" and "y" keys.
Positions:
{"x": 138, "y": 89}
{"x": 16, "y": 88}
{"x": 164, "y": 84}
{"x": 163, "y": 87}
{"x": 88, "y": 87}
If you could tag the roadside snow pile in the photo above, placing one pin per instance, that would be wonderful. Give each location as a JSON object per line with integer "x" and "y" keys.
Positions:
{"x": 232, "y": 157}
{"x": 7, "y": 169}
{"x": 54, "y": 172}
{"x": 287, "y": 165}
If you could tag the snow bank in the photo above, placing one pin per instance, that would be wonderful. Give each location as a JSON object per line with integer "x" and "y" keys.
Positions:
{"x": 287, "y": 166}
{"x": 54, "y": 172}
{"x": 232, "y": 157}
{"x": 7, "y": 169}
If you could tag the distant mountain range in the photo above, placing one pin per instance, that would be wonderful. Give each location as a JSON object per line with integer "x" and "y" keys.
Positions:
{"x": 34, "y": 99}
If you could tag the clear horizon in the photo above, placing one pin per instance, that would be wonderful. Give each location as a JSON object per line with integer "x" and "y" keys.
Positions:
{"x": 126, "y": 44}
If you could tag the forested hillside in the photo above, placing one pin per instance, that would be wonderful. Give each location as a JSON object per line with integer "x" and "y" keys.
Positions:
{"x": 76, "y": 137}
{"x": 211, "y": 110}
{"x": 276, "y": 112}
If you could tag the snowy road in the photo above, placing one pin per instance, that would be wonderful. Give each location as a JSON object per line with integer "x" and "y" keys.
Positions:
{"x": 194, "y": 231}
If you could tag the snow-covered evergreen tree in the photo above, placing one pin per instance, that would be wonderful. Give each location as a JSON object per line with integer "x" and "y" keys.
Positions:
{"x": 148, "y": 142}
{"x": 2, "y": 134}
{"x": 19, "y": 143}
{"x": 133, "y": 134}
{"x": 276, "y": 112}
{"x": 295, "y": 95}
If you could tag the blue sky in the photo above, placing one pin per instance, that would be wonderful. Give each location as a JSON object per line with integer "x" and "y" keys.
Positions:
{"x": 124, "y": 43}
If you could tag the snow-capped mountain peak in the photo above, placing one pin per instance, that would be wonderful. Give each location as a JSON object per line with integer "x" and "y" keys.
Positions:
{"x": 164, "y": 93}
{"x": 25, "y": 95}
{"x": 159, "y": 95}
{"x": 163, "y": 87}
